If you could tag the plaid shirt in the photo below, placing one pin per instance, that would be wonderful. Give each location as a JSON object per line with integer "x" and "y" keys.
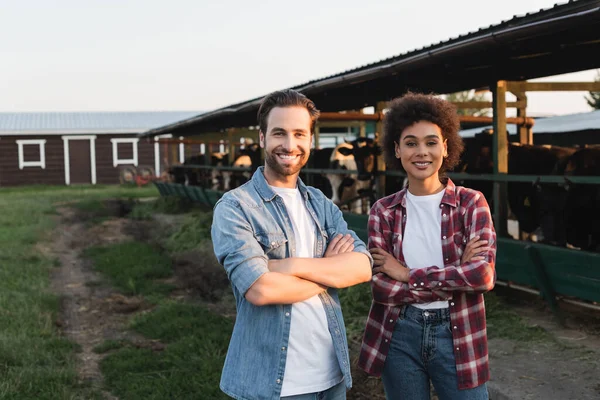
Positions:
{"x": 465, "y": 214}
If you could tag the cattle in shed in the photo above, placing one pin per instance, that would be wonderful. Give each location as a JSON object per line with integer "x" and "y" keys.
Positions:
{"x": 319, "y": 159}
{"x": 578, "y": 204}
{"x": 524, "y": 198}
{"x": 354, "y": 190}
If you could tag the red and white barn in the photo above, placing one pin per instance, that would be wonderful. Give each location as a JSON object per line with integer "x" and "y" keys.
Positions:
{"x": 64, "y": 148}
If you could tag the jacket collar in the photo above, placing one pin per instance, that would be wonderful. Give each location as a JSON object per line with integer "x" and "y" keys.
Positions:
{"x": 266, "y": 192}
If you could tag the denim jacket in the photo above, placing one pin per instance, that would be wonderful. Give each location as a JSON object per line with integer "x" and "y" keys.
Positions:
{"x": 250, "y": 226}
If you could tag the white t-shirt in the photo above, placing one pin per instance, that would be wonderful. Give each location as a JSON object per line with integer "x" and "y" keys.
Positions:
{"x": 422, "y": 243}
{"x": 311, "y": 364}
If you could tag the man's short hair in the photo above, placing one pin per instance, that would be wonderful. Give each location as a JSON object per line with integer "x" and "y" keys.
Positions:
{"x": 286, "y": 98}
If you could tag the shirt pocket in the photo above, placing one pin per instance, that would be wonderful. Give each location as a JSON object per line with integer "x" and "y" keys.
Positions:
{"x": 273, "y": 244}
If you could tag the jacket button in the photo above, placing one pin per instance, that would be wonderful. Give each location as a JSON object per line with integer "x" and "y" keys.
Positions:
{"x": 278, "y": 380}
{"x": 391, "y": 320}
{"x": 287, "y": 314}
{"x": 452, "y": 303}
{"x": 283, "y": 348}
{"x": 273, "y": 243}
{"x": 443, "y": 237}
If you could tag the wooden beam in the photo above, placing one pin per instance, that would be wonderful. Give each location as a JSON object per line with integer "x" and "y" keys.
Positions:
{"x": 500, "y": 152}
{"x": 490, "y": 120}
{"x": 553, "y": 86}
{"x": 332, "y": 118}
{"x": 486, "y": 104}
{"x": 350, "y": 116}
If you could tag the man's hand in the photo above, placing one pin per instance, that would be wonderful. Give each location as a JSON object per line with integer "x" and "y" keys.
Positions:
{"x": 386, "y": 263}
{"x": 340, "y": 244}
{"x": 474, "y": 248}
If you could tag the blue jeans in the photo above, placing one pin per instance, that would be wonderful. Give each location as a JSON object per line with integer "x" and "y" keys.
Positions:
{"x": 422, "y": 350}
{"x": 338, "y": 392}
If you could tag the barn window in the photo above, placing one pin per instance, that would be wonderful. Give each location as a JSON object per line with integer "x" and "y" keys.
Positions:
{"x": 32, "y": 153}
{"x": 129, "y": 151}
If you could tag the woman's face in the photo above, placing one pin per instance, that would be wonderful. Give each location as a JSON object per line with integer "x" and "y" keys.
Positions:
{"x": 421, "y": 150}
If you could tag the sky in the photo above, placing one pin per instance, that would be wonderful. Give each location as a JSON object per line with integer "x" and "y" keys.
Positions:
{"x": 148, "y": 55}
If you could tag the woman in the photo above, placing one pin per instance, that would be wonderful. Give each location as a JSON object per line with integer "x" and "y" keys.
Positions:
{"x": 434, "y": 248}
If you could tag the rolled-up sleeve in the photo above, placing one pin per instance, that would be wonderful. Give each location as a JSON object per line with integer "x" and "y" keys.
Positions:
{"x": 341, "y": 226}
{"x": 236, "y": 247}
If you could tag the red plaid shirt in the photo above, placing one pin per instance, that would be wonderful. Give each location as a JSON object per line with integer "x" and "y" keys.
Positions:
{"x": 465, "y": 214}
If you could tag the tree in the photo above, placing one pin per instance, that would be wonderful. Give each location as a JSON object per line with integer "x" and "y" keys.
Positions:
{"x": 593, "y": 99}
{"x": 469, "y": 95}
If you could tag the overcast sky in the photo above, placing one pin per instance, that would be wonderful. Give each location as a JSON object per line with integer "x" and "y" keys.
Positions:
{"x": 109, "y": 55}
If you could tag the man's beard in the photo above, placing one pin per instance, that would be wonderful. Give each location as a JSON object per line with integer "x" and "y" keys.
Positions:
{"x": 273, "y": 163}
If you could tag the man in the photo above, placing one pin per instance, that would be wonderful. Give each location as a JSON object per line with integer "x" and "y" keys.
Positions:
{"x": 286, "y": 249}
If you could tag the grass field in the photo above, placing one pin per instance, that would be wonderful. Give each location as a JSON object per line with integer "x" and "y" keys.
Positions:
{"x": 37, "y": 362}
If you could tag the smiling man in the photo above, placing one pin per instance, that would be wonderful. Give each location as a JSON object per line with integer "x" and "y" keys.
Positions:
{"x": 286, "y": 250}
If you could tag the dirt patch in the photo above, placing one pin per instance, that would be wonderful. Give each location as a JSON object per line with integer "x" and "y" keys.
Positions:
{"x": 91, "y": 311}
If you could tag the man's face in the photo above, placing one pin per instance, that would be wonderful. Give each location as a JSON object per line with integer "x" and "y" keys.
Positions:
{"x": 287, "y": 144}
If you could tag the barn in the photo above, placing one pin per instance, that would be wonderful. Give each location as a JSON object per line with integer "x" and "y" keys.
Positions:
{"x": 65, "y": 148}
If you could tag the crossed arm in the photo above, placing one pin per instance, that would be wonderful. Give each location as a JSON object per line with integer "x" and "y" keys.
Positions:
{"x": 263, "y": 281}
{"x": 295, "y": 279}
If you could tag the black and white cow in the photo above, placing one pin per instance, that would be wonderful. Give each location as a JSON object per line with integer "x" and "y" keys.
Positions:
{"x": 354, "y": 190}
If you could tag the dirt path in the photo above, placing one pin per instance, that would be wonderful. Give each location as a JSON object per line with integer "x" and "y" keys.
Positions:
{"x": 89, "y": 313}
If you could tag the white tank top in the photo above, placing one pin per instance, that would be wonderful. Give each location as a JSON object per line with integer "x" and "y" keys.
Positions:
{"x": 311, "y": 364}
{"x": 422, "y": 243}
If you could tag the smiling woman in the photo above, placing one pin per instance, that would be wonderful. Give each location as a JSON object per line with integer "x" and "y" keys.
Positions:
{"x": 433, "y": 247}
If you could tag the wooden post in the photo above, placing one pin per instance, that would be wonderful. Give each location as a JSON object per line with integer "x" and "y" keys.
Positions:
{"x": 380, "y": 184}
{"x": 230, "y": 146}
{"x": 363, "y": 129}
{"x": 500, "y": 149}
{"x": 525, "y": 133}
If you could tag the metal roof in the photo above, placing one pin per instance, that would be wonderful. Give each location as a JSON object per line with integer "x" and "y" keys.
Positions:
{"x": 60, "y": 123}
{"x": 560, "y": 124}
{"x": 552, "y": 41}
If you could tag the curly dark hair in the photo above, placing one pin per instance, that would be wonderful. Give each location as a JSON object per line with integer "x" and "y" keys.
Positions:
{"x": 414, "y": 107}
{"x": 286, "y": 98}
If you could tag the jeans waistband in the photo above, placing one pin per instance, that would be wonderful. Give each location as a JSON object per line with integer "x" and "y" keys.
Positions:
{"x": 429, "y": 316}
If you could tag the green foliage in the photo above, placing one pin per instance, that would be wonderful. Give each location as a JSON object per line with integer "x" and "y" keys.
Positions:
{"x": 192, "y": 232}
{"x": 189, "y": 367}
{"x": 132, "y": 267}
{"x": 469, "y": 95}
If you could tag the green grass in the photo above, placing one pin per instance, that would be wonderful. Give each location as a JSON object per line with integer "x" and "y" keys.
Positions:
{"x": 133, "y": 267}
{"x": 503, "y": 322}
{"x": 188, "y": 368}
{"x": 109, "y": 345}
{"x": 162, "y": 205}
{"x": 36, "y": 361}
{"x": 356, "y": 302}
{"x": 194, "y": 231}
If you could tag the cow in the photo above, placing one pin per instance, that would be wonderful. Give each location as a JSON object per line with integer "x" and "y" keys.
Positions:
{"x": 573, "y": 208}
{"x": 354, "y": 190}
{"x": 319, "y": 159}
{"x": 524, "y": 198}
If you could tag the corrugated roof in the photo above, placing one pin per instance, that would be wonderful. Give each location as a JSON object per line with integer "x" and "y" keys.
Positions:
{"x": 17, "y": 123}
{"x": 547, "y": 42}
{"x": 563, "y": 123}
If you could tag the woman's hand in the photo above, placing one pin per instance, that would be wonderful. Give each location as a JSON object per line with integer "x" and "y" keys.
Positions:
{"x": 386, "y": 263}
{"x": 473, "y": 250}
